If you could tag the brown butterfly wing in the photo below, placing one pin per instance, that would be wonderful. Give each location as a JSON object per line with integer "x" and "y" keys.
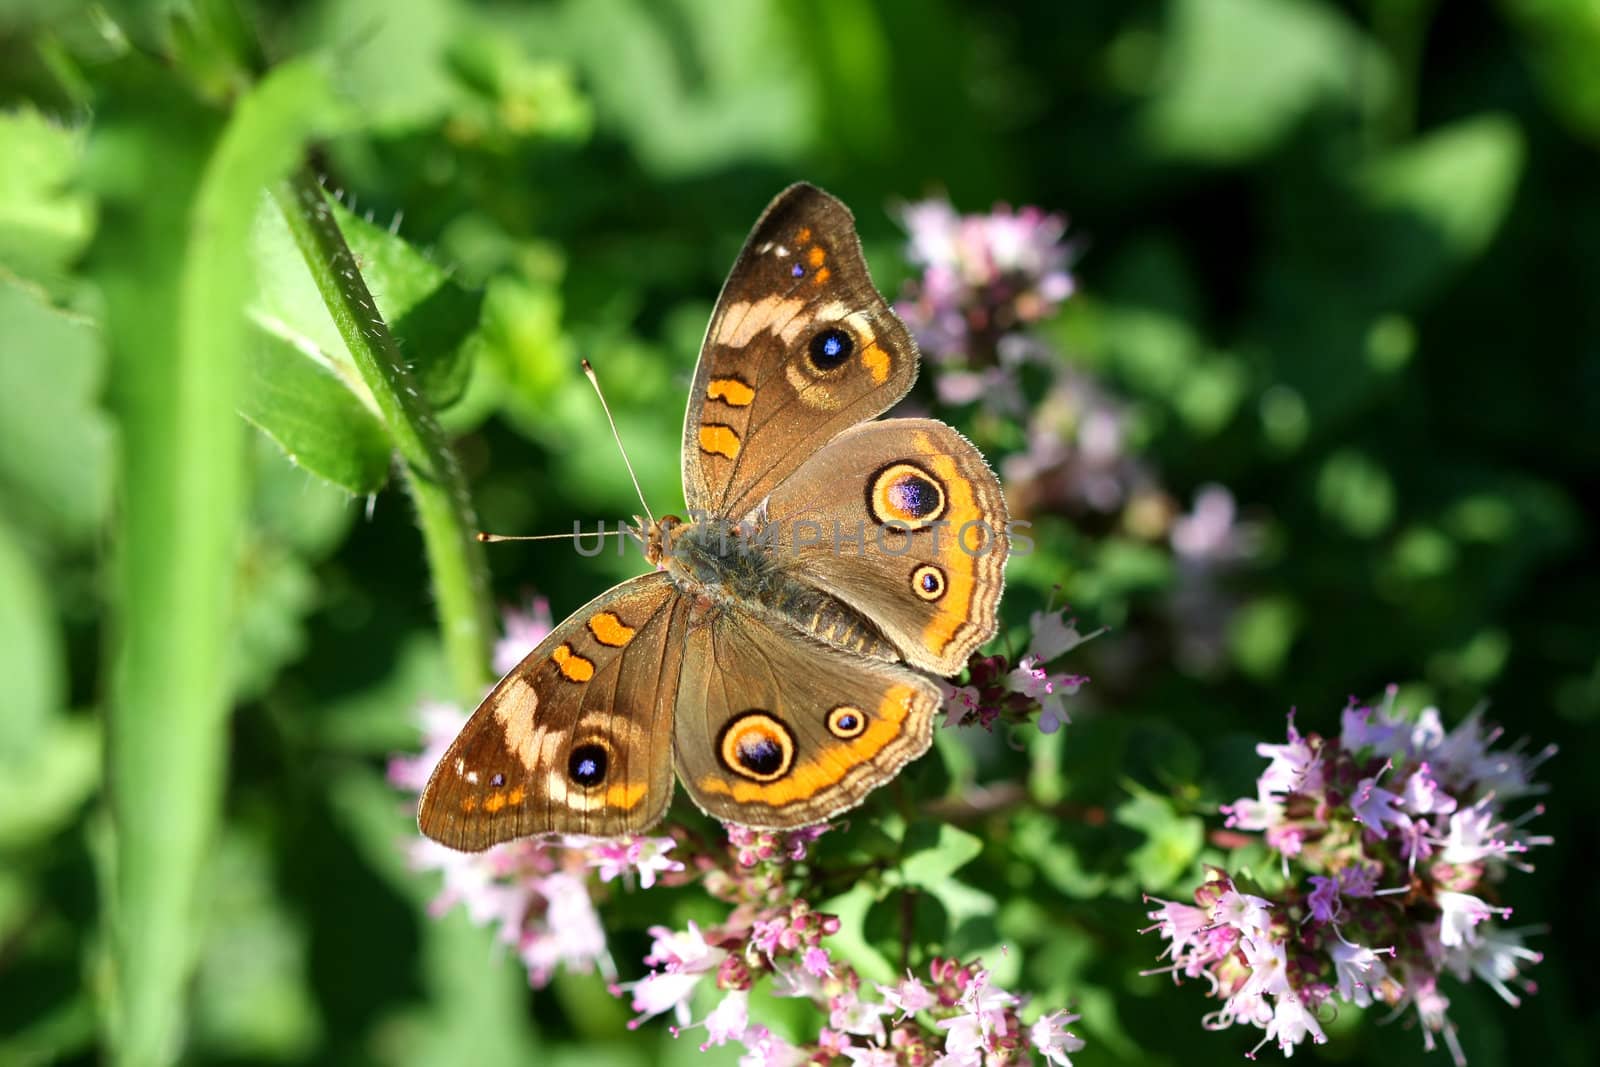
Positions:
{"x": 775, "y": 729}
{"x": 930, "y": 584}
{"x": 576, "y": 738}
{"x": 800, "y": 347}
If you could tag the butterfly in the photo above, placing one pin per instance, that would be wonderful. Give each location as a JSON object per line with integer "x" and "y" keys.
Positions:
{"x": 773, "y": 661}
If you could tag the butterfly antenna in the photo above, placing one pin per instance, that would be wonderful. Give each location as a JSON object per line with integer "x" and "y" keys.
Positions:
{"x": 589, "y": 373}
{"x": 493, "y": 539}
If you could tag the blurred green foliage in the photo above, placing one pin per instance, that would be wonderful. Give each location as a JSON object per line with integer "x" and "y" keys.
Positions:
{"x": 1339, "y": 257}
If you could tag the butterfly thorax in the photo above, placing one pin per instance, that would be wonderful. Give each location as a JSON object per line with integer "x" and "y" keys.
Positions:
{"x": 731, "y": 565}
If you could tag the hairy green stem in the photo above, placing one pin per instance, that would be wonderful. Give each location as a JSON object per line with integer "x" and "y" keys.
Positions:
{"x": 444, "y": 510}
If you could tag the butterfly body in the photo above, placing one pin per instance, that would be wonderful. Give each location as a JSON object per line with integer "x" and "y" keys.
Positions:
{"x": 771, "y": 662}
{"x": 734, "y": 566}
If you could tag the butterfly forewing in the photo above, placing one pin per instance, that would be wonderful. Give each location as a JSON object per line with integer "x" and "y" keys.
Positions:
{"x": 576, "y": 738}
{"x": 800, "y": 347}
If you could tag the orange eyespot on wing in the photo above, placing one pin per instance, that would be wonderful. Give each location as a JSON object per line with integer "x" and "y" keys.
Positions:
{"x": 609, "y": 629}
{"x": 719, "y": 440}
{"x": 907, "y": 494}
{"x": 573, "y": 667}
{"x": 808, "y": 778}
{"x": 756, "y": 746}
{"x": 731, "y": 391}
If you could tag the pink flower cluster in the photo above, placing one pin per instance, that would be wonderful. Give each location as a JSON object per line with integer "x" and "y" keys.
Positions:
{"x": 952, "y": 1016}
{"x": 983, "y": 277}
{"x": 996, "y": 691}
{"x": 1392, "y": 839}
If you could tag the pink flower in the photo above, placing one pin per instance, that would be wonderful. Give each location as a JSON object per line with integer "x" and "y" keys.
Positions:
{"x": 683, "y": 951}
{"x": 570, "y": 934}
{"x": 1248, "y": 814}
{"x": 1340, "y": 837}
{"x": 1047, "y": 690}
{"x": 1210, "y": 534}
{"x": 1460, "y": 912}
{"x": 817, "y": 963}
{"x": 984, "y": 276}
{"x": 729, "y": 1020}
{"x": 662, "y": 991}
{"x": 998, "y": 692}
{"x": 1294, "y": 766}
{"x": 761, "y": 846}
{"x": 850, "y": 1014}
{"x": 1496, "y": 957}
{"x": 1424, "y": 796}
{"x": 624, "y": 856}
{"x": 1360, "y": 729}
{"x": 1050, "y": 1037}
{"x": 1052, "y": 635}
{"x": 1180, "y": 924}
{"x": 960, "y": 702}
{"x": 1250, "y": 915}
{"x": 1374, "y": 806}
{"x": 909, "y": 997}
{"x": 523, "y": 630}
{"x": 1290, "y": 1024}
{"x": 1474, "y": 836}
{"x": 1324, "y": 898}
{"x": 768, "y": 1050}
{"x": 1358, "y": 970}
{"x": 440, "y": 724}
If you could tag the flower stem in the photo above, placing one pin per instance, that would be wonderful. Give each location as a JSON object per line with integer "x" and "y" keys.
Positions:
{"x": 444, "y": 509}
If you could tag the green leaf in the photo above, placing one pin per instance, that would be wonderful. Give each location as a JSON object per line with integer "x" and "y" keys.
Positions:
{"x": 1172, "y": 840}
{"x": 851, "y": 940}
{"x": 1261, "y": 634}
{"x": 708, "y": 84}
{"x": 1239, "y": 75}
{"x": 32, "y": 661}
{"x": 1058, "y": 861}
{"x": 42, "y": 794}
{"x": 276, "y": 591}
{"x": 44, "y": 222}
{"x": 254, "y": 999}
{"x": 296, "y": 509}
{"x": 314, "y": 417}
{"x": 433, "y": 319}
{"x": 933, "y": 854}
{"x": 1562, "y": 38}
{"x": 936, "y": 851}
{"x": 1454, "y": 186}
{"x": 1357, "y": 493}
{"x": 55, "y": 441}
{"x": 476, "y": 1005}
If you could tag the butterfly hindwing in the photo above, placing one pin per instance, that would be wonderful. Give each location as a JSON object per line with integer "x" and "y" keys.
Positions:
{"x": 903, "y": 521}
{"x": 775, "y": 729}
